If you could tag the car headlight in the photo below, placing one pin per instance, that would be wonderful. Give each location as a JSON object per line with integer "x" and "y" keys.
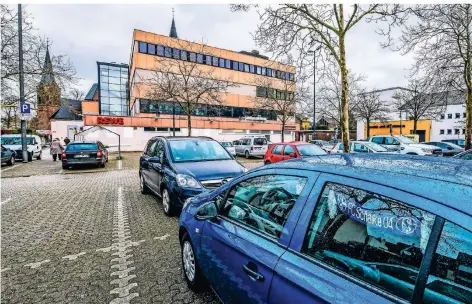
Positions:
{"x": 427, "y": 150}
{"x": 187, "y": 201}
{"x": 245, "y": 169}
{"x": 187, "y": 181}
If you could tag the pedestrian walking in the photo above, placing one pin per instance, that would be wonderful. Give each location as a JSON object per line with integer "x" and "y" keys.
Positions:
{"x": 66, "y": 141}
{"x": 56, "y": 149}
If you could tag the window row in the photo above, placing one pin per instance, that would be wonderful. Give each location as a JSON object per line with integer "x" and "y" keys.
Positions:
{"x": 113, "y": 73}
{"x": 167, "y": 107}
{"x": 164, "y": 51}
{"x": 158, "y": 129}
{"x": 449, "y": 115}
{"x": 449, "y": 131}
{"x": 273, "y": 93}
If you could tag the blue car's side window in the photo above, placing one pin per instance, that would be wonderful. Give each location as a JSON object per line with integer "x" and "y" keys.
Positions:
{"x": 264, "y": 202}
{"x": 374, "y": 238}
{"x": 451, "y": 269}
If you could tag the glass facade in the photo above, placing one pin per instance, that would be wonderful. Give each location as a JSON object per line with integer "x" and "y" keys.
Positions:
{"x": 113, "y": 89}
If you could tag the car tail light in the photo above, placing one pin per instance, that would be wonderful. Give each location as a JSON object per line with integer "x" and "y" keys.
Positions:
{"x": 99, "y": 154}
{"x": 252, "y": 148}
{"x": 63, "y": 155}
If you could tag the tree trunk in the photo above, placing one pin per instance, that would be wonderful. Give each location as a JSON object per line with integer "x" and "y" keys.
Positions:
{"x": 368, "y": 128}
{"x": 468, "y": 119}
{"x": 283, "y": 131}
{"x": 344, "y": 100}
{"x": 415, "y": 125}
{"x": 189, "y": 125}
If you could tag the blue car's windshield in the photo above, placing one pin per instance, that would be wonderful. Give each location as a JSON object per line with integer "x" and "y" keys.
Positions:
{"x": 16, "y": 140}
{"x": 197, "y": 150}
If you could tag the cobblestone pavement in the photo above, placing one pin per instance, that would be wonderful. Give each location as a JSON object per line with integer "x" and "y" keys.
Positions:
{"x": 80, "y": 237}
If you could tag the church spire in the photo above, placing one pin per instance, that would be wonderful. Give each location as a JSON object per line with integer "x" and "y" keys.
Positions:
{"x": 173, "y": 30}
{"x": 47, "y": 75}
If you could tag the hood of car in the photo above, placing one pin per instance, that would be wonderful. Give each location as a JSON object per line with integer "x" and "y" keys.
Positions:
{"x": 208, "y": 170}
{"x": 15, "y": 147}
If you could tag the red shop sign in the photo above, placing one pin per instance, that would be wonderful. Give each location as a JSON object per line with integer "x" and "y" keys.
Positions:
{"x": 103, "y": 120}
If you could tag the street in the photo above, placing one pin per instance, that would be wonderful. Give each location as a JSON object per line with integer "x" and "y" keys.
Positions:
{"x": 88, "y": 236}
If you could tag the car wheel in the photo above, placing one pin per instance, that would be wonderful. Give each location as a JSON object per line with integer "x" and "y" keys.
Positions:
{"x": 166, "y": 203}
{"x": 267, "y": 162}
{"x": 193, "y": 276}
{"x": 246, "y": 154}
{"x": 11, "y": 162}
{"x": 411, "y": 153}
{"x": 30, "y": 156}
{"x": 65, "y": 167}
{"x": 142, "y": 185}
{"x": 39, "y": 156}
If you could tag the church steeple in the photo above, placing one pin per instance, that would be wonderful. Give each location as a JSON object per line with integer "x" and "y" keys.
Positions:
{"x": 173, "y": 29}
{"x": 47, "y": 75}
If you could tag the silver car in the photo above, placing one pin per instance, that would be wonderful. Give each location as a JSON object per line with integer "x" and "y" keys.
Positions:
{"x": 362, "y": 147}
{"x": 252, "y": 146}
{"x": 229, "y": 147}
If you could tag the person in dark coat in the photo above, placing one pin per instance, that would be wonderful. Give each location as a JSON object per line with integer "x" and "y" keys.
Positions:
{"x": 66, "y": 141}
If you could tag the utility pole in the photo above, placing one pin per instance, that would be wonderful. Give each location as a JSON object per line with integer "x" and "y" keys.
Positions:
{"x": 22, "y": 84}
{"x": 173, "y": 118}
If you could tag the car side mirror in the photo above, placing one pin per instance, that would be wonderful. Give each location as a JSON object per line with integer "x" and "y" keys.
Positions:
{"x": 155, "y": 159}
{"x": 207, "y": 211}
{"x": 106, "y": 147}
{"x": 292, "y": 155}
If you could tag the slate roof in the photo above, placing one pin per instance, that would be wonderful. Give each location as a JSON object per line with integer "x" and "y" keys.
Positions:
{"x": 71, "y": 109}
{"x": 446, "y": 98}
{"x": 47, "y": 75}
{"x": 91, "y": 92}
{"x": 173, "y": 30}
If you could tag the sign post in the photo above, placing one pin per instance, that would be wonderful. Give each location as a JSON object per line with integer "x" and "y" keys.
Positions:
{"x": 23, "y": 106}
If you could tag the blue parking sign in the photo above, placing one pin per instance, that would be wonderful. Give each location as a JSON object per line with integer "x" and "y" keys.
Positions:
{"x": 25, "y": 108}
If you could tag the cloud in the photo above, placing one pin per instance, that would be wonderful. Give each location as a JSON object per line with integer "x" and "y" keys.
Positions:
{"x": 91, "y": 33}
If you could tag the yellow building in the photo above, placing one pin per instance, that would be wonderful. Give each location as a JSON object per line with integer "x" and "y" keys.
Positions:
{"x": 423, "y": 129}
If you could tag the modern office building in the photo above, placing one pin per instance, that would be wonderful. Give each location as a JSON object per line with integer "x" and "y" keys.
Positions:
{"x": 120, "y": 100}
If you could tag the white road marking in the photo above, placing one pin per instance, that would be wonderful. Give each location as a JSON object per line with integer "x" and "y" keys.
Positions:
{"x": 122, "y": 246}
{"x": 5, "y": 201}
{"x": 36, "y": 264}
{"x": 161, "y": 238}
{"x": 9, "y": 168}
{"x": 119, "y": 165}
{"x": 73, "y": 257}
{"x": 5, "y": 269}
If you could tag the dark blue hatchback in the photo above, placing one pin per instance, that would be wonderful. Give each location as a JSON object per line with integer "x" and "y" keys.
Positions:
{"x": 335, "y": 229}
{"x": 177, "y": 168}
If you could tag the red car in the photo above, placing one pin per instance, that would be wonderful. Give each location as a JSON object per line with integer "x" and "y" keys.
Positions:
{"x": 283, "y": 151}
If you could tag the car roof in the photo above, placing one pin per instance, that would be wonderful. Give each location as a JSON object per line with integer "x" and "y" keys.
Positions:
{"x": 172, "y": 138}
{"x": 445, "y": 180}
{"x": 84, "y": 142}
{"x": 17, "y": 135}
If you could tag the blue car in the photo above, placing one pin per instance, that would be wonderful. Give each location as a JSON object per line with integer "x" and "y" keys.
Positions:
{"x": 344, "y": 228}
{"x": 177, "y": 168}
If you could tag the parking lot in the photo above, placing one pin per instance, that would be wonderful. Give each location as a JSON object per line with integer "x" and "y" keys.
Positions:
{"x": 88, "y": 236}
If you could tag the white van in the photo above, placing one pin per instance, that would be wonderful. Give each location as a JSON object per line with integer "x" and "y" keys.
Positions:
{"x": 251, "y": 146}
{"x": 33, "y": 145}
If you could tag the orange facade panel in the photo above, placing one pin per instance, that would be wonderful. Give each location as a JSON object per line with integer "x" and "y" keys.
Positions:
{"x": 147, "y": 120}
{"x": 90, "y": 107}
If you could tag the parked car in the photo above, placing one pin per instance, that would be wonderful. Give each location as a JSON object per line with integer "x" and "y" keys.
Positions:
{"x": 404, "y": 145}
{"x": 362, "y": 147}
{"x": 79, "y": 153}
{"x": 323, "y": 144}
{"x": 348, "y": 228}
{"x": 8, "y": 156}
{"x": 177, "y": 168}
{"x": 464, "y": 155}
{"x": 229, "y": 147}
{"x": 251, "y": 146}
{"x": 283, "y": 151}
{"x": 448, "y": 149}
{"x": 457, "y": 141}
{"x": 33, "y": 145}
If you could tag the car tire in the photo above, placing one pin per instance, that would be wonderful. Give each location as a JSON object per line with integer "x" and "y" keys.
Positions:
{"x": 39, "y": 156}
{"x": 30, "y": 156}
{"x": 246, "y": 154}
{"x": 411, "y": 153}
{"x": 267, "y": 162}
{"x": 193, "y": 276}
{"x": 167, "y": 203}
{"x": 11, "y": 162}
{"x": 143, "y": 186}
{"x": 64, "y": 167}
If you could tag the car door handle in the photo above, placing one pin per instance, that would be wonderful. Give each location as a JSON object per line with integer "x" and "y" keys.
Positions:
{"x": 253, "y": 274}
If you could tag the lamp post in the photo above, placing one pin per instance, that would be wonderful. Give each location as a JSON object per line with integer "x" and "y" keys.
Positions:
{"x": 313, "y": 53}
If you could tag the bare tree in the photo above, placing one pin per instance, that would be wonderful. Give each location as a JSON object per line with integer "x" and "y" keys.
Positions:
{"x": 441, "y": 40}
{"x": 76, "y": 94}
{"x": 186, "y": 82}
{"x": 369, "y": 107}
{"x": 34, "y": 52}
{"x": 419, "y": 101}
{"x": 302, "y": 26}
{"x": 281, "y": 95}
{"x": 329, "y": 94}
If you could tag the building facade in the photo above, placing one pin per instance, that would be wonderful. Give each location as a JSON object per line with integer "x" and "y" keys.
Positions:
{"x": 120, "y": 99}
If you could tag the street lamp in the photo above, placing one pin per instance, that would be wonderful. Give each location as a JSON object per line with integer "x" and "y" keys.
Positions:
{"x": 313, "y": 53}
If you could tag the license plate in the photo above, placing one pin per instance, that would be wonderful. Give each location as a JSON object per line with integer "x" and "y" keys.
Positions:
{"x": 82, "y": 156}
{"x": 257, "y": 148}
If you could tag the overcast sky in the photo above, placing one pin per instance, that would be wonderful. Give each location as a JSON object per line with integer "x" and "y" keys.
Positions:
{"x": 91, "y": 33}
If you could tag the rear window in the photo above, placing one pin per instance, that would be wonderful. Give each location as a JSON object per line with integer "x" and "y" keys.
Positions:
{"x": 226, "y": 144}
{"x": 81, "y": 147}
{"x": 260, "y": 141}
